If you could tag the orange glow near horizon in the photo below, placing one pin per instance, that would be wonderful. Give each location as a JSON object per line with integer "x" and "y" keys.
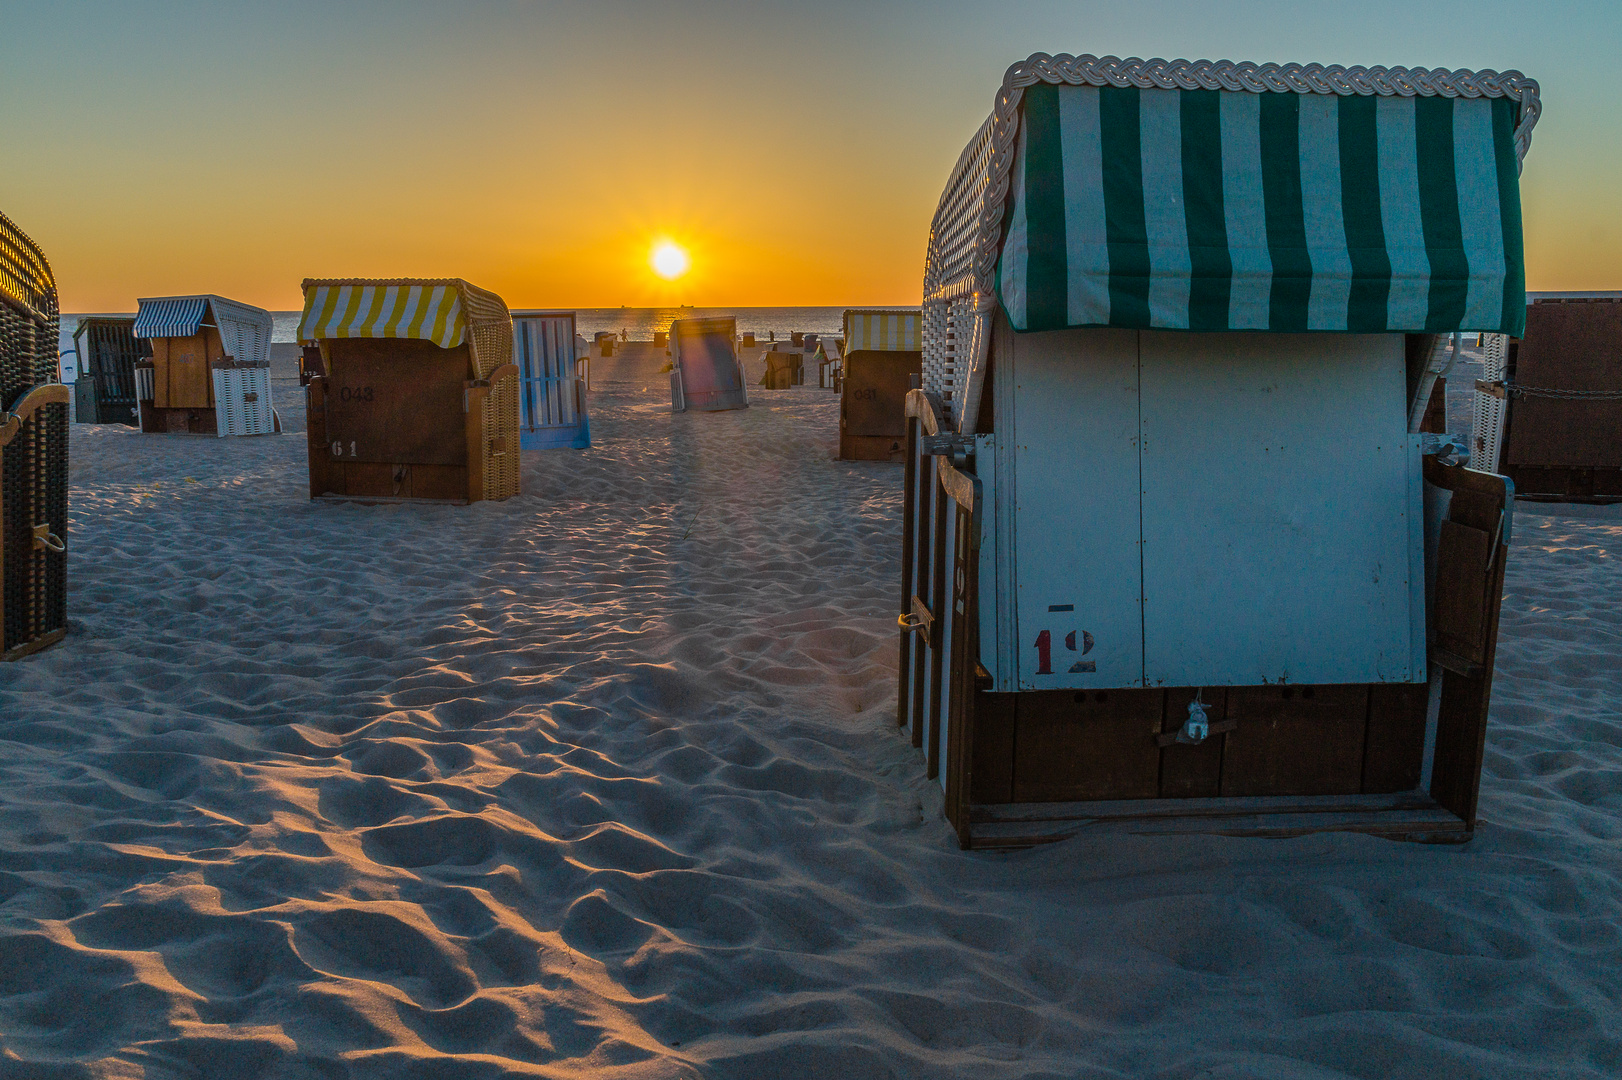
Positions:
{"x": 150, "y": 155}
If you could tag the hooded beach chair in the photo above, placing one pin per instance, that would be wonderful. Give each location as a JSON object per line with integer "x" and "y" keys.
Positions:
{"x": 1176, "y": 556}
{"x": 209, "y": 373}
{"x": 33, "y": 452}
{"x": 107, "y": 351}
{"x": 705, "y": 375}
{"x": 882, "y": 365}
{"x": 412, "y": 392}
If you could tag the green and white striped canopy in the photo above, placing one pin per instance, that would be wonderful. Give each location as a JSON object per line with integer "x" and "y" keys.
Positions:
{"x": 1288, "y": 212}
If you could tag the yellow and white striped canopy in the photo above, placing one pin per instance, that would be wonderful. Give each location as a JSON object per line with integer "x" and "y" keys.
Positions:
{"x": 883, "y": 331}
{"x": 430, "y": 311}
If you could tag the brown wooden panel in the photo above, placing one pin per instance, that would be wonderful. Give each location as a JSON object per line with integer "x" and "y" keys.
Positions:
{"x": 1460, "y": 610}
{"x": 1295, "y": 740}
{"x": 315, "y": 435}
{"x": 1192, "y": 771}
{"x": 993, "y": 771}
{"x": 1088, "y": 744}
{"x": 438, "y": 482}
{"x": 373, "y": 478}
{"x": 398, "y": 401}
{"x": 181, "y": 378}
{"x": 1568, "y": 346}
{"x": 1435, "y": 418}
{"x": 871, "y": 448}
{"x": 873, "y": 402}
{"x": 1394, "y": 749}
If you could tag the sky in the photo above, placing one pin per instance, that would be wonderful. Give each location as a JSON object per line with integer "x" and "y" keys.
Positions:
{"x": 796, "y": 150}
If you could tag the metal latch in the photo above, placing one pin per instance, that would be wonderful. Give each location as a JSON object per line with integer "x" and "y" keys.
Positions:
{"x": 1493, "y": 388}
{"x": 46, "y": 540}
{"x": 948, "y": 444}
{"x": 919, "y": 620}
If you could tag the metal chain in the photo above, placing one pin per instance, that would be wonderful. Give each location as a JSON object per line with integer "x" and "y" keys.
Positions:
{"x": 1571, "y": 395}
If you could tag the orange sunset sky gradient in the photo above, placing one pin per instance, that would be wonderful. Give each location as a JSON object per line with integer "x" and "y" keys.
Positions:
{"x": 795, "y": 150}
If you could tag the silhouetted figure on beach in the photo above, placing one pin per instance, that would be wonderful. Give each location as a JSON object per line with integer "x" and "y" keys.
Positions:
{"x": 771, "y": 335}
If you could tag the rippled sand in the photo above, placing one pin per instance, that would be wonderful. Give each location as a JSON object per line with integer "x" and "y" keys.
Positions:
{"x": 604, "y": 781}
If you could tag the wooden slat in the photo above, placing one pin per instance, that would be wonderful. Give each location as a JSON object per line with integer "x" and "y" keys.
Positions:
{"x": 1087, "y": 744}
{"x": 1295, "y": 740}
{"x": 1394, "y": 750}
{"x": 1460, "y": 610}
{"x": 1435, "y": 826}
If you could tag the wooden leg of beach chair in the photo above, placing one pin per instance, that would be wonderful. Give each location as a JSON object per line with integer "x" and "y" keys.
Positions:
{"x": 909, "y": 539}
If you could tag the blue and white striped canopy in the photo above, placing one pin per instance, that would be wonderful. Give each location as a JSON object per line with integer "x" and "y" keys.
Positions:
{"x": 1235, "y": 210}
{"x": 173, "y": 317}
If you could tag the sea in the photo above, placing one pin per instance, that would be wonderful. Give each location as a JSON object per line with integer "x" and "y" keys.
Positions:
{"x": 638, "y": 324}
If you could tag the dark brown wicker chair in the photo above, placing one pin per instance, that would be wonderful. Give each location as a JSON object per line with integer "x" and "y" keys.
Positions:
{"x": 33, "y": 452}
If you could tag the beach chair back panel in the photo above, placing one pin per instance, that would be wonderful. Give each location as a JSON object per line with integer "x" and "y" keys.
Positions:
{"x": 543, "y": 349}
{"x": 711, "y": 378}
{"x": 108, "y": 351}
{"x": 1572, "y": 347}
{"x": 396, "y": 400}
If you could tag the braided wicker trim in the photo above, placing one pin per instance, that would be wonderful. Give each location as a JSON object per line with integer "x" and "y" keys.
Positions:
{"x": 1219, "y": 75}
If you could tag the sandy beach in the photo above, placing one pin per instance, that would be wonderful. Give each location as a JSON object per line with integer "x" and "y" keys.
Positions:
{"x": 604, "y": 781}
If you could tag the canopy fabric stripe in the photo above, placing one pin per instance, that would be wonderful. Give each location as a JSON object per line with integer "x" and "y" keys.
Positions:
{"x": 1287, "y": 212}
{"x": 883, "y": 331}
{"x": 171, "y": 318}
{"x": 428, "y": 311}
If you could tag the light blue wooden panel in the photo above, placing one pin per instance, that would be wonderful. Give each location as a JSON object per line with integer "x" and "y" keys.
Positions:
{"x": 1076, "y": 513}
{"x": 1277, "y": 510}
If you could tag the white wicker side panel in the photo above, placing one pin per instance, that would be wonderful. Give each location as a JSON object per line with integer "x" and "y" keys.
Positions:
{"x": 242, "y": 401}
{"x": 145, "y": 385}
{"x": 948, "y": 325}
{"x": 258, "y": 415}
{"x": 1487, "y": 432}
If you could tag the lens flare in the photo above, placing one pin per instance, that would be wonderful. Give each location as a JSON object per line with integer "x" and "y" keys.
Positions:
{"x": 669, "y": 261}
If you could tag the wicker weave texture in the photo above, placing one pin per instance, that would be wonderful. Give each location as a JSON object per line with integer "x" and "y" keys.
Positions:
{"x": 34, "y": 461}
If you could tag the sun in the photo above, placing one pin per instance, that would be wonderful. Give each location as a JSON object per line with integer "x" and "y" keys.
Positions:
{"x": 669, "y": 260}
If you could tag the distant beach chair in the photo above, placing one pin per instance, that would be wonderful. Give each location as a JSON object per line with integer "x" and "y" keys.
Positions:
{"x": 828, "y": 365}
{"x": 108, "y": 352}
{"x": 705, "y": 375}
{"x": 552, "y": 389}
{"x": 1176, "y": 556}
{"x": 879, "y": 366}
{"x": 661, "y": 339}
{"x": 1548, "y": 408}
{"x": 749, "y": 341}
{"x": 417, "y": 396}
{"x": 209, "y": 373}
{"x": 605, "y": 342}
{"x": 33, "y": 452}
{"x": 780, "y": 369}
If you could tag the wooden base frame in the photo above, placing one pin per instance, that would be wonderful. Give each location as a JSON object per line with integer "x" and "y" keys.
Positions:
{"x": 401, "y": 420}
{"x": 1033, "y": 767}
